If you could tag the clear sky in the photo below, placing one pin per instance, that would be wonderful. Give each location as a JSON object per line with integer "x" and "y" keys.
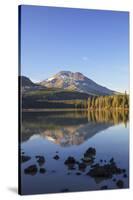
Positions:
{"x": 95, "y": 43}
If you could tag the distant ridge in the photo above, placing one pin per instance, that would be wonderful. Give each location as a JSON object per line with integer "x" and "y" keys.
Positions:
{"x": 25, "y": 81}
{"x": 28, "y": 85}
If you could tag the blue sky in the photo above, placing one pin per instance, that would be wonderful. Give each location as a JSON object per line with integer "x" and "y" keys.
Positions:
{"x": 95, "y": 43}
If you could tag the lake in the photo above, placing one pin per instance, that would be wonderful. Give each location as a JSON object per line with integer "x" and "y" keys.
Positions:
{"x": 74, "y": 151}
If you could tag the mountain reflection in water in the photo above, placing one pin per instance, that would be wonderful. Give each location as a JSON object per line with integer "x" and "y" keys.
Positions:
{"x": 69, "y": 128}
{"x": 82, "y": 150}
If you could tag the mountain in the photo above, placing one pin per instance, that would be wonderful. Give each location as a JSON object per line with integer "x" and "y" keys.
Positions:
{"x": 69, "y": 128}
{"x": 26, "y": 82}
{"x": 28, "y": 85}
{"x": 75, "y": 82}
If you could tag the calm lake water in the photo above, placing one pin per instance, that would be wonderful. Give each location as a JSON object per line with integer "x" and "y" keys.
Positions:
{"x": 54, "y": 151}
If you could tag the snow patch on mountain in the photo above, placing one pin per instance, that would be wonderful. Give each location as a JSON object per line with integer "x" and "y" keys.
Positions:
{"x": 50, "y": 79}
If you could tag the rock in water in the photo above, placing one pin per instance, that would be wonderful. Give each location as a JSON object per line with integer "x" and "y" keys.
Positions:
{"x": 105, "y": 187}
{"x": 70, "y": 160}
{"x": 120, "y": 184}
{"x": 31, "y": 170}
{"x": 25, "y": 158}
{"x": 56, "y": 157}
{"x": 42, "y": 170}
{"x": 90, "y": 152}
{"x": 40, "y": 160}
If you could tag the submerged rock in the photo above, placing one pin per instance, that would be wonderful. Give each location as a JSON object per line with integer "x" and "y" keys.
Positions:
{"x": 123, "y": 170}
{"x": 120, "y": 184}
{"x": 105, "y": 187}
{"x": 125, "y": 175}
{"x": 114, "y": 179}
{"x": 82, "y": 166}
{"x": 112, "y": 160}
{"x": 78, "y": 173}
{"x": 53, "y": 171}
{"x": 31, "y": 170}
{"x": 25, "y": 158}
{"x": 42, "y": 170}
{"x": 56, "y": 157}
{"x": 40, "y": 160}
{"x": 65, "y": 190}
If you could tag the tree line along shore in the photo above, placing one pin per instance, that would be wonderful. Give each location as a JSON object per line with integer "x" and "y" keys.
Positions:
{"x": 109, "y": 102}
{"x": 91, "y": 103}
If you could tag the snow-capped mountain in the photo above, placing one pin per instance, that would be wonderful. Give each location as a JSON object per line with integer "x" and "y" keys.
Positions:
{"x": 75, "y": 82}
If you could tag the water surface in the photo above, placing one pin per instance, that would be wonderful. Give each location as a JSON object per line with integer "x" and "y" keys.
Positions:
{"x": 50, "y": 138}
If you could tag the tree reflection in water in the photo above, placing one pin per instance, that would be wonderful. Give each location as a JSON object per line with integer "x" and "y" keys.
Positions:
{"x": 68, "y": 128}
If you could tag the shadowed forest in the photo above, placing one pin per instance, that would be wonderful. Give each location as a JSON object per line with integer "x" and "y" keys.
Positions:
{"x": 94, "y": 102}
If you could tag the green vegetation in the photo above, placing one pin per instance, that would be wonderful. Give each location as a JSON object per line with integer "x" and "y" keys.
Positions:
{"x": 55, "y": 98}
{"x": 54, "y": 94}
{"x": 46, "y": 91}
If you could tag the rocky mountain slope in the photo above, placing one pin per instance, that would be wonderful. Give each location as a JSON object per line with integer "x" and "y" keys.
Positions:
{"x": 75, "y": 82}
